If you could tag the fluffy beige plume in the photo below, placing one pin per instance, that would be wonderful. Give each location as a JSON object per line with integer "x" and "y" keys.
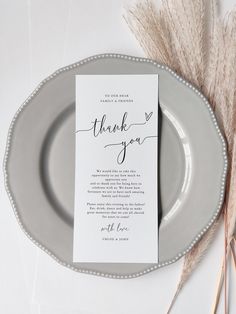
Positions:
{"x": 192, "y": 259}
{"x": 191, "y": 38}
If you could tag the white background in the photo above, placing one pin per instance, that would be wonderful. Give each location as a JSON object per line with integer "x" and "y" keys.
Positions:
{"x": 36, "y": 38}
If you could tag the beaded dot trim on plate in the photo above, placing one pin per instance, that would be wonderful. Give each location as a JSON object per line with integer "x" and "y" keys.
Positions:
{"x": 153, "y": 267}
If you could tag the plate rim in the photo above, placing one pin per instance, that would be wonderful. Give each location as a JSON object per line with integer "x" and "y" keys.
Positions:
{"x": 11, "y": 195}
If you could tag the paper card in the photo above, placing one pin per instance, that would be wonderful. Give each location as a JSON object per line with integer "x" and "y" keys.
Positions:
{"x": 116, "y": 200}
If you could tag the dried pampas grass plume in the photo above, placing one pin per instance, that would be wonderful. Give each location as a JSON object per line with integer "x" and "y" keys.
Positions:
{"x": 191, "y": 38}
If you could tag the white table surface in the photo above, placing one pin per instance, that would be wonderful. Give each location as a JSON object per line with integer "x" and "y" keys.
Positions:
{"x": 36, "y": 38}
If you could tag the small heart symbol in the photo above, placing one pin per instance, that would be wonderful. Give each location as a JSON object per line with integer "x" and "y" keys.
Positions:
{"x": 148, "y": 115}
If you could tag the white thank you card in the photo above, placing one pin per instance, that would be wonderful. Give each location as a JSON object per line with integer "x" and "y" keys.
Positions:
{"x": 116, "y": 172}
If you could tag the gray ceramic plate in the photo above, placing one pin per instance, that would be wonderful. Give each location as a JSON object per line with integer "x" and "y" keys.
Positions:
{"x": 39, "y": 164}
